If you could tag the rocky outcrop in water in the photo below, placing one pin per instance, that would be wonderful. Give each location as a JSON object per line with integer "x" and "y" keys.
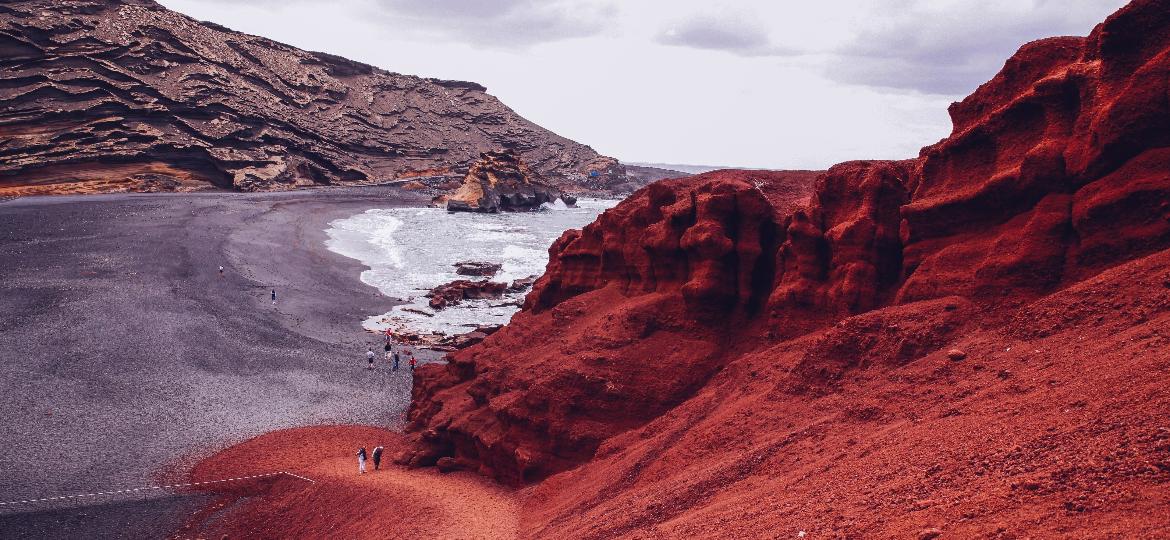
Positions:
{"x": 501, "y": 181}
{"x": 452, "y": 293}
{"x": 476, "y": 268}
{"x": 107, "y": 95}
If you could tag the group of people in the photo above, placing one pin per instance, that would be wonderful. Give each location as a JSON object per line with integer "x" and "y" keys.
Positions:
{"x": 392, "y": 356}
{"x": 377, "y": 455}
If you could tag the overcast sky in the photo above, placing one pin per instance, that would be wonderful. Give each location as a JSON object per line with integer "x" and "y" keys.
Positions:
{"x": 760, "y": 83}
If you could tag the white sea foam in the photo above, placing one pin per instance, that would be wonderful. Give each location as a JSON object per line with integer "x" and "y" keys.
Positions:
{"x": 411, "y": 250}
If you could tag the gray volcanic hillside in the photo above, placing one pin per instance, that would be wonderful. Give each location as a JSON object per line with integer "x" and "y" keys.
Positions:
{"x": 105, "y": 95}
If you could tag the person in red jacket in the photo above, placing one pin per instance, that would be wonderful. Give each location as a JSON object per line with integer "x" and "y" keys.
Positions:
{"x": 413, "y": 362}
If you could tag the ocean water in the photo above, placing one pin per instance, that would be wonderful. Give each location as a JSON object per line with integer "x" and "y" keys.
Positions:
{"x": 409, "y": 251}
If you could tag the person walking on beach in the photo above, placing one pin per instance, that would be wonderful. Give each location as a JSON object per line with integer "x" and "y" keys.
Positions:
{"x": 274, "y": 297}
{"x": 413, "y": 362}
{"x": 370, "y": 358}
{"x": 361, "y": 460}
{"x": 377, "y": 457}
{"x": 395, "y": 368}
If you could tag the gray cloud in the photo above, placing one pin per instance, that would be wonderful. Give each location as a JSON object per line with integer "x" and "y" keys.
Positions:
{"x": 502, "y": 23}
{"x": 955, "y": 52}
{"x": 736, "y": 35}
{"x": 910, "y": 45}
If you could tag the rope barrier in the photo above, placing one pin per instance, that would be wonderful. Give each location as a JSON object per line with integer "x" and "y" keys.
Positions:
{"x": 148, "y": 488}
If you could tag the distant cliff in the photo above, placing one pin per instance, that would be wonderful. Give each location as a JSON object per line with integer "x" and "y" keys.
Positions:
{"x": 111, "y": 95}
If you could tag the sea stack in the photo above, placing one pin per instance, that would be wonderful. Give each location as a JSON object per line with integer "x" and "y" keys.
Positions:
{"x": 501, "y": 181}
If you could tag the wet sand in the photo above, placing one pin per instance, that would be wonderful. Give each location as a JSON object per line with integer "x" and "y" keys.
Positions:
{"x": 128, "y": 356}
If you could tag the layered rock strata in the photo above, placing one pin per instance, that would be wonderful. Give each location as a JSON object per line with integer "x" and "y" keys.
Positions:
{"x": 127, "y": 95}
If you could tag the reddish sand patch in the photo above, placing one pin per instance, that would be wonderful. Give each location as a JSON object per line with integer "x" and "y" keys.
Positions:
{"x": 390, "y": 503}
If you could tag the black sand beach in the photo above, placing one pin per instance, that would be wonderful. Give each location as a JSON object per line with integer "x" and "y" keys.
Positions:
{"x": 127, "y": 355}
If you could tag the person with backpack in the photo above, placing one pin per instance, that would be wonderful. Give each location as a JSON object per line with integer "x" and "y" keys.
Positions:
{"x": 362, "y": 460}
{"x": 377, "y": 457}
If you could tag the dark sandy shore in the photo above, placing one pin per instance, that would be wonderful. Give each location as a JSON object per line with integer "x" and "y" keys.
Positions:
{"x": 126, "y": 354}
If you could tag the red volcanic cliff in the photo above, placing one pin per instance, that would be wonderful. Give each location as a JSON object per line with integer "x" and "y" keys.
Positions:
{"x": 716, "y": 356}
{"x": 649, "y": 266}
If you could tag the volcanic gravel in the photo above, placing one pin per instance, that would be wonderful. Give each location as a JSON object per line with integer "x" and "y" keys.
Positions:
{"x": 127, "y": 356}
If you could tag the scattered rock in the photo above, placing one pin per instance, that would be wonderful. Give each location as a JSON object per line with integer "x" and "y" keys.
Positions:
{"x": 447, "y": 464}
{"x": 956, "y": 354}
{"x": 929, "y": 534}
{"x": 522, "y": 284}
{"x": 463, "y": 341}
{"x": 480, "y": 269}
{"x": 461, "y": 289}
{"x": 488, "y": 329}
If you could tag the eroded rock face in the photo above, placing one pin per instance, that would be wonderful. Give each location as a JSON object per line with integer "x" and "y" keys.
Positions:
{"x": 700, "y": 237}
{"x": 501, "y": 181}
{"x": 125, "y": 94}
{"x": 1057, "y": 169}
{"x": 633, "y": 315}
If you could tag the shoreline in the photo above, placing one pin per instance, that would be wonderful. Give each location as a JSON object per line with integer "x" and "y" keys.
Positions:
{"x": 134, "y": 357}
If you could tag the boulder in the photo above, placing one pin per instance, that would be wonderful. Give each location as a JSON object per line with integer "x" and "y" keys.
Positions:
{"x": 447, "y": 464}
{"x": 463, "y": 341}
{"x": 480, "y": 269}
{"x": 500, "y": 181}
{"x": 929, "y": 533}
{"x": 522, "y": 284}
{"x": 461, "y": 289}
